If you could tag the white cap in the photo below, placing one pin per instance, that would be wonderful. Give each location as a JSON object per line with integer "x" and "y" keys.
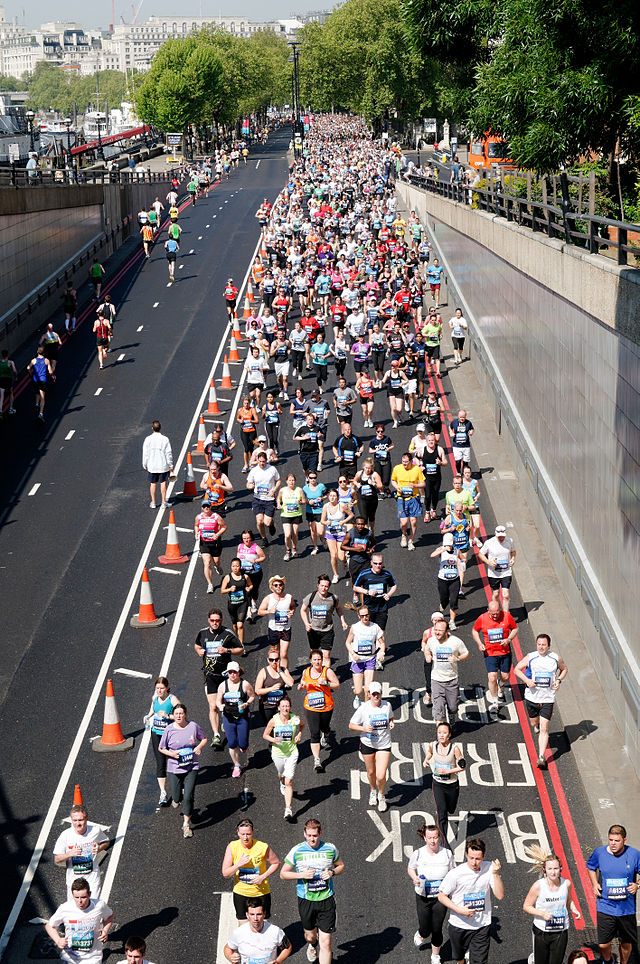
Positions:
{"x": 501, "y": 531}
{"x": 233, "y": 665}
{"x": 375, "y": 687}
{"x": 447, "y": 539}
{"x": 421, "y": 427}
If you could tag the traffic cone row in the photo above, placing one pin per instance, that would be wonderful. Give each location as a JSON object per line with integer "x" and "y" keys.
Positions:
{"x": 235, "y": 329}
{"x": 250, "y": 294}
{"x": 172, "y": 553}
{"x": 146, "y": 618}
{"x": 247, "y": 309}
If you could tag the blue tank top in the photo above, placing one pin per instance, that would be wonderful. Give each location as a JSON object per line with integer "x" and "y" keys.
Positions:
{"x": 39, "y": 370}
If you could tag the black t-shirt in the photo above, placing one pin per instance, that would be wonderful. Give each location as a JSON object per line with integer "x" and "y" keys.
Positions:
{"x": 347, "y": 449}
{"x": 216, "y": 452}
{"x": 360, "y": 544}
{"x": 381, "y": 447}
{"x": 214, "y": 663}
{"x": 309, "y": 444}
{"x": 382, "y": 581}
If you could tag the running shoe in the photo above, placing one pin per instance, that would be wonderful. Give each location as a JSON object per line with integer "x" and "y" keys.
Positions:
{"x": 288, "y": 814}
{"x": 542, "y": 763}
{"x": 152, "y": 505}
{"x": 410, "y": 545}
{"x": 420, "y": 941}
{"x": 356, "y": 702}
{"x": 403, "y": 542}
{"x": 210, "y": 588}
{"x": 373, "y": 798}
{"x": 216, "y": 742}
{"x": 452, "y": 624}
{"x": 317, "y": 765}
{"x": 187, "y": 831}
{"x": 382, "y": 803}
{"x": 312, "y": 952}
{"x": 236, "y": 772}
{"x": 272, "y": 528}
{"x": 324, "y": 743}
{"x": 287, "y": 556}
{"x": 314, "y": 551}
{"x": 336, "y": 578}
{"x": 281, "y": 787}
{"x": 164, "y": 800}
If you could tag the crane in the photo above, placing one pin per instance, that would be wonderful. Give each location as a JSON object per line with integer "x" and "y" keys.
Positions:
{"x": 136, "y": 10}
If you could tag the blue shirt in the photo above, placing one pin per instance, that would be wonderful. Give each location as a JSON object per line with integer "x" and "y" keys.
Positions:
{"x": 320, "y": 858}
{"x": 616, "y": 873}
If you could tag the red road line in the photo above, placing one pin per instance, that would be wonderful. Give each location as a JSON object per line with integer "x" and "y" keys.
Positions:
{"x": 545, "y": 797}
{"x": 25, "y": 380}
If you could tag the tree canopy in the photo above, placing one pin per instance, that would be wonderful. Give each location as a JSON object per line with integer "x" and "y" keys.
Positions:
{"x": 50, "y": 87}
{"x": 557, "y": 79}
{"x": 359, "y": 59}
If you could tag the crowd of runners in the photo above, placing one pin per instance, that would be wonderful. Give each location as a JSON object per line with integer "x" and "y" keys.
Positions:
{"x": 345, "y": 343}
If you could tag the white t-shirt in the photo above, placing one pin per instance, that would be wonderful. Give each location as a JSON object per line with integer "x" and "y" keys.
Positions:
{"x": 433, "y": 867}
{"x": 442, "y": 670}
{"x": 377, "y": 716}
{"x": 365, "y": 640}
{"x": 81, "y": 928}
{"x": 85, "y": 866}
{"x": 470, "y": 888}
{"x": 256, "y": 948}
{"x": 499, "y": 552}
{"x": 544, "y": 672}
{"x": 264, "y": 481}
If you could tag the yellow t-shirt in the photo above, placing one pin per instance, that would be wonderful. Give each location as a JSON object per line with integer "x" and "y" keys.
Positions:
{"x": 406, "y": 480}
{"x": 255, "y": 863}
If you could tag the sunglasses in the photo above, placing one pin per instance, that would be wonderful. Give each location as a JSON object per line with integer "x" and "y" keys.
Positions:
{"x": 273, "y": 659}
{"x": 214, "y": 619}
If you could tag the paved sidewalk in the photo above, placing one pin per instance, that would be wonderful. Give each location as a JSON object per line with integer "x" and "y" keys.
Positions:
{"x": 596, "y": 742}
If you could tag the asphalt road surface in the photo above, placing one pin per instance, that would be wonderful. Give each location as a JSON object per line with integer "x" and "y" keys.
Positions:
{"x": 76, "y": 532}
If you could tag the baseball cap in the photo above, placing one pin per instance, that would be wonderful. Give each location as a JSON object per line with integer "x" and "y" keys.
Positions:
{"x": 447, "y": 539}
{"x": 205, "y": 503}
{"x": 262, "y": 438}
{"x": 501, "y": 531}
{"x": 233, "y": 665}
{"x": 421, "y": 427}
{"x": 375, "y": 687}
{"x": 437, "y": 615}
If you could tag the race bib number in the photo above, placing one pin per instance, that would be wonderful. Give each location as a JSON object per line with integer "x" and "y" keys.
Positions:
{"x": 407, "y": 491}
{"x": 319, "y": 612}
{"x": 246, "y": 875}
{"x": 542, "y": 679}
{"x": 81, "y": 936}
{"x": 557, "y": 921}
{"x": 495, "y": 636}
{"x": 282, "y": 617}
{"x": 82, "y": 865}
{"x": 212, "y": 648}
{"x": 316, "y": 701}
{"x": 274, "y": 696}
{"x": 431, "y": 468}
{"x": 283, "y": 732}
{"x": 616, "y": 888}
{"x": 443, "y": 653}
{"x": 474, "y": 900}
{"x": 160, "y": 722}
{"x": 236, "y": 596}
{"x": 315, "y": 885}
{"x": 432, "y": 888}
{"x": 185, "y": 756}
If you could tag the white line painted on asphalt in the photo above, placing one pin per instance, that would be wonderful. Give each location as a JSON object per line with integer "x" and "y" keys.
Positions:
{"x": 192, "y": 251}
{"x": 140, "y": 328}
{"x": 227, "y": 919}
{"x": 180, "y": 267}
{"x": 132, "y": 672}
{"x": 204, "y": 471}
{"x": 258, "y": 165}
{"x": 179, "y": 529}
{"x": 37, "y": 920}
{"x": 169, "y": 283}
{"x": 155, "y": 304}
{"x": 200, "y": 236}
{"x": 172, "y": 572}
{"x": 120, "y": 357}
{"x": 70, "y": 435}
{"x": 98, "y": 391}
{"x": 34, "y": 489}
{"x": 219, "y": 209}
{"x": 208, "y": 225}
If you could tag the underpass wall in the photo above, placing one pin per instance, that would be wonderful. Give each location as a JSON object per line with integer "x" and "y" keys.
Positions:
{"x": 565, "y": 388}
{"x": 46, "y": 232}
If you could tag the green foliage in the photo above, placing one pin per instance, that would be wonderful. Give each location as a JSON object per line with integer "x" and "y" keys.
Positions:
{"x": 359, "y": 59}
{"x": 50, "y": 87}
{"x": 213, "y": 75}
{"x": 10, "y": 83}
{"x": 557, "y": 79}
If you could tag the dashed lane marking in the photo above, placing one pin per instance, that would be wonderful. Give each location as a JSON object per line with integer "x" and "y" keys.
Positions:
{"x": 34, "y": 488}
{"x": 140, "y": 328}
{"x": 120, "y": 357}
{"x": 258, "y": 165}
{"x": 172, "y": 572}
{"x": 132, "y": 672}
{"x": 98, "y": 391}
{"x": 155, "y": 305}
{"x": 70, "y": 435}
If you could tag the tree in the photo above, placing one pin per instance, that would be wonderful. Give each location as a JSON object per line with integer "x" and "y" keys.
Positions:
{"x": 360, "y": 59}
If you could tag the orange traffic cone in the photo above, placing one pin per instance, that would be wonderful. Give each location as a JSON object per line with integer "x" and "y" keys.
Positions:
{"x": 112, "y": 736}
{"x": 226, "y": 376}
{"x": 250, "y": 294}
{"x": 214, "y": 408}
{"x": 233, "y": 351}
{"x": 172, "y": 552}
{"x": 77, "y": 796}
{"x": 235, "y": 329}
{"x": 190, "y": 490}
{"x": 263, "y": 250}
{"x": 201, "y": 436}
{"x": 247, "y": 308}
{"x": 146, "y": 617}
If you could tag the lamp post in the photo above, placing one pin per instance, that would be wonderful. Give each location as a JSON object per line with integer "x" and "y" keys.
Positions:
{"x": 30, "y": 115}
{"x": 298, "y": 127}
{"x": 67, "y": 123}
{"x": 100, "y": 147}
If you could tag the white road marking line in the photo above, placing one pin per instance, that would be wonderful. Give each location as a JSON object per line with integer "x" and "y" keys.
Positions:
{"x": 98, "y": 687}
{"x": 98, "y": 391}
{"x": 34, "y": 488}
{"x": 127, "y": 807}
{"x": 70, "y": 435}
{"x": 204, "y": 471}
{"x": 140, "y": 328}
{"x": 192, "y": 251}
{"x": 169, "y": 283}
{"x": 227, "y": 919}
{"x": 208, "y": 225}
{"x": 258, "y": 164}
{"x": 172, "y": 572}
{"x": 179, "y": 529}
{"x": 120, "y": 357}
{"x": 155, "y": 305}
{"x": 219, "y": 209}
{"x": 200, "y": 236}
{"x": 215, "y": 215}
{"x": 132, "y": 672}
{"x": 226, "y": 202}
{"x": 37, "y": 920}
{"x": 180, "y": 267}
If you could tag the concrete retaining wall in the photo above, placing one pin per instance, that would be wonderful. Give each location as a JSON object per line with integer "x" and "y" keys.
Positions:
{"x": 565, "y": 389}
{"x": 43, "y": 228}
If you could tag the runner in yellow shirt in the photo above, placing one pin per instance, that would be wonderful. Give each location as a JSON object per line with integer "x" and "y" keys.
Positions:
{"x": 408, "y": 481}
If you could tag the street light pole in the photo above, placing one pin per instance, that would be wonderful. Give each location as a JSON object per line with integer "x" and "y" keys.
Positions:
{"x": 30, "y": 115}
{"x": 298, "y": 127}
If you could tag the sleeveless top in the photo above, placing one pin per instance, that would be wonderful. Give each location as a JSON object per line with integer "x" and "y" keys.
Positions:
{"x": 441, "y": 763}
{"x": 255, "y": 864}
{"x": 429, "y": 461}
{"x": 231, "y": 699}
{"x": 272, "y": 698}
{"x": 160, "y": 723}
{"x": 318, "y": 695}
{"x": 554, "y": 901}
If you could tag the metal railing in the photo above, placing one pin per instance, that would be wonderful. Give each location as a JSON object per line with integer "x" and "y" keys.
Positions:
{"x": 60, "y": 177}
{"x": 585, "y": 230}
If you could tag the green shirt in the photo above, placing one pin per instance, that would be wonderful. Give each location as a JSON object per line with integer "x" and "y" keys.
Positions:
{"x": 465, "y": 497}
{"x": 287, "y": 731}
{"x": 432, "y": 334}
